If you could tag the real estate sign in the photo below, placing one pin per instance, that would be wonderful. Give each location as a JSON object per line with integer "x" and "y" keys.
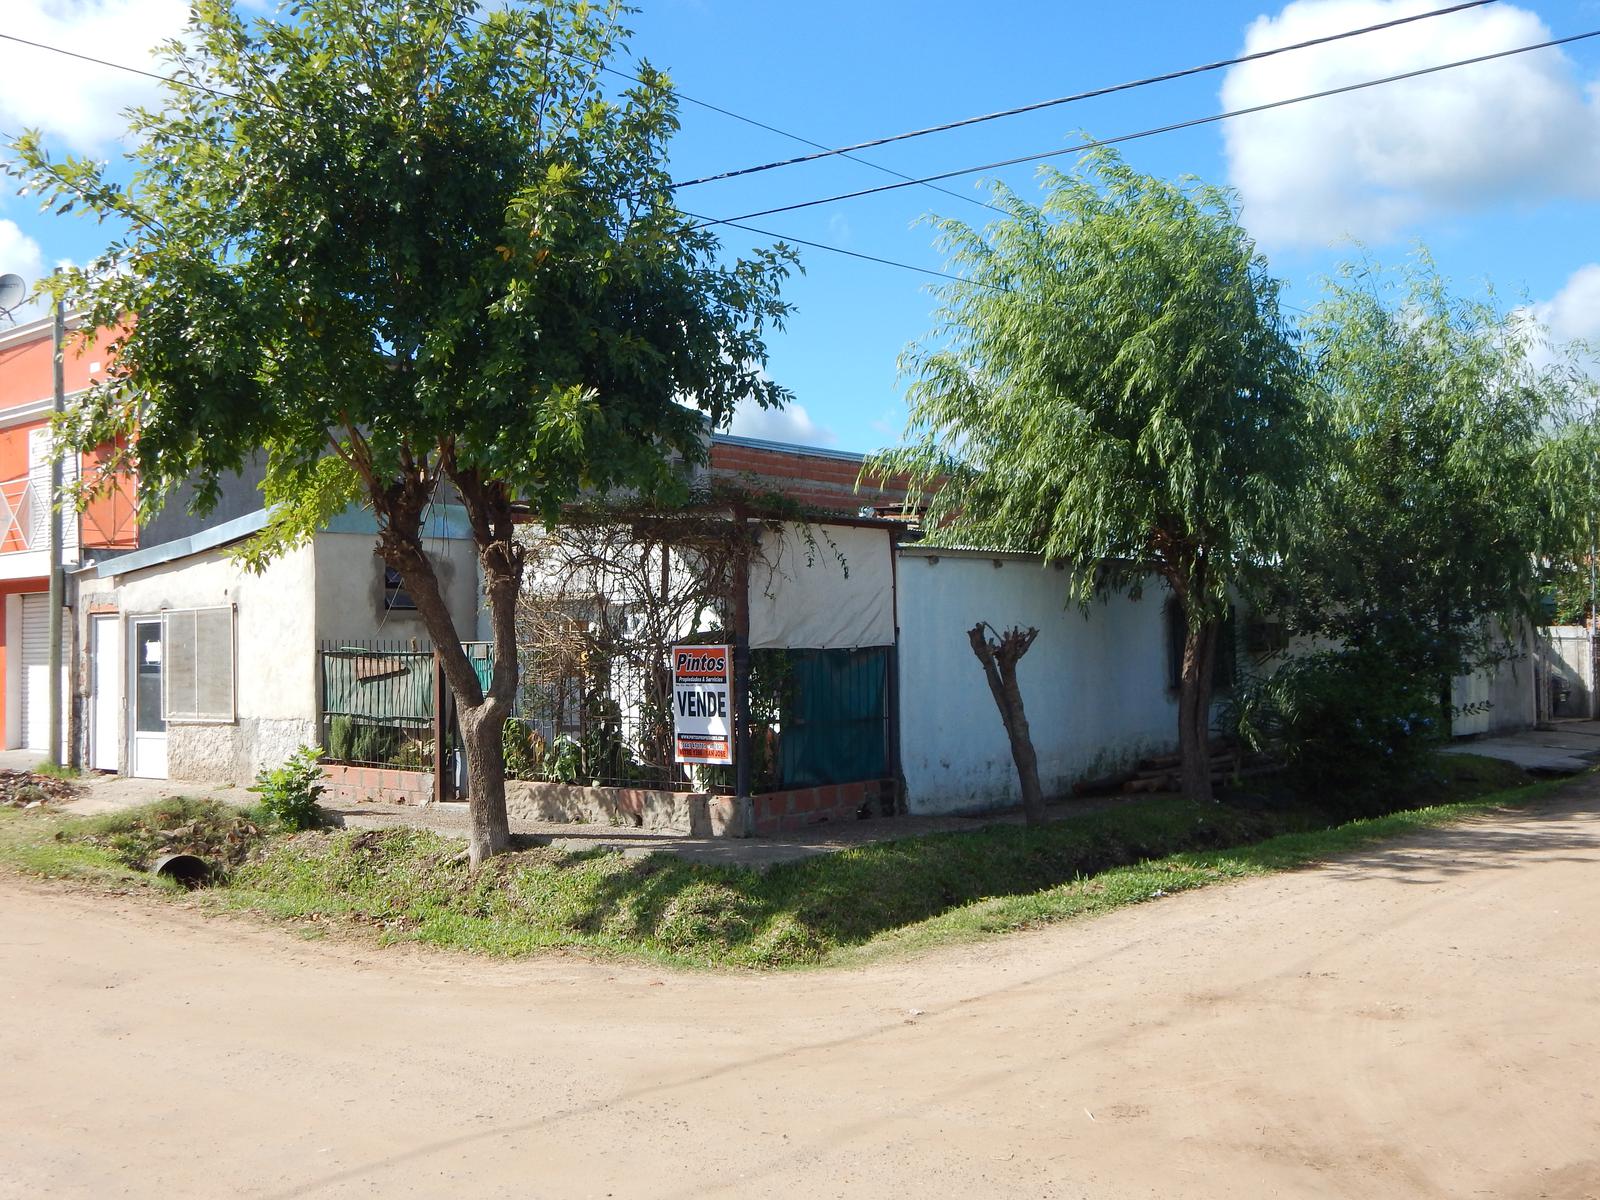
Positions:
{"x": 702, "y": 705}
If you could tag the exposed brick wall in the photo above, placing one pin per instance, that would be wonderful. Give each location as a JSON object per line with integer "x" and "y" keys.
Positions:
{"x": 785, "y": 812}
{"x": 389, "y": 784}
{"x": 818, "y": 481}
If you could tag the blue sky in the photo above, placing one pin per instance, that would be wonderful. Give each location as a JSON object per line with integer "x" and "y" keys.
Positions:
{"x": 1495, "y": 167}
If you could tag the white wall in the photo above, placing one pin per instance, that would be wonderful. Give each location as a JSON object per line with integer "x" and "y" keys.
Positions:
{"x": 1566, "y": 650}
{"x": 349, "y": 589}
{"x": 1094, "y": 687}
{"x": 1510, "y": 689}
{"x": 275, "y": 666}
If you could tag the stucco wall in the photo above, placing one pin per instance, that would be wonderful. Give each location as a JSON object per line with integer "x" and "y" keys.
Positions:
{"x": 331, "y": 588}
{"x": 275, "y": 669}
{"x": 1510, "y": 689}
{"x": 349, "y": 589}
{"x": 1094, "y": 687}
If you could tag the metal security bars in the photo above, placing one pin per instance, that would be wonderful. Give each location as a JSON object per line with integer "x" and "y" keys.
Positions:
{"x": 378, "y": 704}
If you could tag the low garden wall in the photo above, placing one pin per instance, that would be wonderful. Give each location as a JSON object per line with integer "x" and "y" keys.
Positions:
{"x": 698, "y": 814}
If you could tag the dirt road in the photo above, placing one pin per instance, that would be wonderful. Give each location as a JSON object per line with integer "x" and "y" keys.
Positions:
{"x": 1419, "y": 1022}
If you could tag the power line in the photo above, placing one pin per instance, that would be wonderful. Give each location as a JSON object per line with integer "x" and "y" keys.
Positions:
{"x": 706, "y": 104}
{"x": 1077, "y": 96}
{"x": 793, "y": 137}
{"x": 872, "y": 258}
{"x": 1092, "y": 143}
{"x": 102, "y": 62}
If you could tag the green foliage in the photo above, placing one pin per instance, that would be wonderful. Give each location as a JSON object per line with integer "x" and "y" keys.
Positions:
{"x": 829, "y": 908}
{"x": 430, "y": 244}
{"x": 416, "y": 754}
{"x": 1457, "y": 462}
{"x": 1112, "y": 385}
{"x": 523, "y": 748}
{"x": 356, "y": 741}
{"x": 136, "y": 837}
{"x": 407, "y": 251}
{"x": 1350, "y": 727}
{"x": 564, "y": 763}
{"x": 289, "y": 793}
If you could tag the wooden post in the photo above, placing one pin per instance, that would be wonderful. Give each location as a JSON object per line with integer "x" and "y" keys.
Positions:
{"x": 439, "y": 760}
{"x": 741, "y": 680}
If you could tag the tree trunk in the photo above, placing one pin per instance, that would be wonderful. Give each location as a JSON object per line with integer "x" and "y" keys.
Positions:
{"x": 482, "y": 715}
{"x": 481, "y": 731}
{"x": 999, "y": 659}
{"x": 1194, "y": 708}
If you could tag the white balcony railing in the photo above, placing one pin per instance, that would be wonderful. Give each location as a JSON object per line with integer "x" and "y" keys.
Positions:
{"x": 25, "y": 516}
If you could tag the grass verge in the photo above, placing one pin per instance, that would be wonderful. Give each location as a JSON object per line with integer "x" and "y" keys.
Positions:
{"x": 888, "y": 897}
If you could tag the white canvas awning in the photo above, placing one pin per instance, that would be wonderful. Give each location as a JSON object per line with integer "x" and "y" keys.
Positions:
{"x": 822, "y": 587}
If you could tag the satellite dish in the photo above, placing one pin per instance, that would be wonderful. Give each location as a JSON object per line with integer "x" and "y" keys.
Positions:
{"x": 13, "y": 291}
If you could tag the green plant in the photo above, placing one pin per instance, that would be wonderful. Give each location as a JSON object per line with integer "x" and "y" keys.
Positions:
{"x": 460, "y": 228}
{"x": 289, "y": 793}
{"x": 415, "y": 754}
{"x": 341, "y": 739}
{"x": 1351, "y": 726}
{"x": 565, "y": 761}
{"x": 523, "y": 748}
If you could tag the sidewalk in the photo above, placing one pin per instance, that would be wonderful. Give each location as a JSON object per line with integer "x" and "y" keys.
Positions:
{"x": 1565, "y": 748}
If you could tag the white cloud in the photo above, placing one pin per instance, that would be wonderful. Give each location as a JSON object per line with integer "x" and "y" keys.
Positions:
{"x": 789, "y": 424}
{"x": 78, "y": 102}
{"x": 1573, "y": 313}
{"x": 20, "y": 255}
{"x": 1372, "y": 163}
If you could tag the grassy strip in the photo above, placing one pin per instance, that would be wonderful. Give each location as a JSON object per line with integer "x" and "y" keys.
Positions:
{"x": 409, "y": 884}
{"x": 1154, "y": 879}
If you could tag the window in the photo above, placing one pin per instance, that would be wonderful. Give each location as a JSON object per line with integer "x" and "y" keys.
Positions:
{"x": 395, "y": 595}
{"x": 197, "y": 644}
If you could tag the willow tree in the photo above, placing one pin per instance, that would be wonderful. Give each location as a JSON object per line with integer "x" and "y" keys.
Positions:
{"x": 1111, "y": 384}
{"x": 414, "y": 257}
{"x": 1460, "y": 468}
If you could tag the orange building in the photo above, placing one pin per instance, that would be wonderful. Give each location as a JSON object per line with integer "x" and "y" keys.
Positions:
{"x": 107, "y": 525}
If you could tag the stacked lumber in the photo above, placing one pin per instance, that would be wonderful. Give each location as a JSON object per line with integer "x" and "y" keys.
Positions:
{"x": 1163, "y": 772}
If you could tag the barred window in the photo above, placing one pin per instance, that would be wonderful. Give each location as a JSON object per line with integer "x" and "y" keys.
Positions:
{"x": 199, "y": 668}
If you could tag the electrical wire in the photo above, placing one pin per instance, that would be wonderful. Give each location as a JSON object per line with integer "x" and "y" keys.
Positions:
{"x": 706, "y": 104}
{"x": 116, "y": 66}
{"x": 793, "y": 137}
{"x": 1092, "y": 143}
{"x": 1093, "y": 93}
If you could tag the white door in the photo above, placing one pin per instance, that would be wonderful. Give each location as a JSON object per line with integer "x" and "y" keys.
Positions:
{"x": 105, "y": 694}
{"x": 35, "y": 658}
{"x": 147, "y": 732}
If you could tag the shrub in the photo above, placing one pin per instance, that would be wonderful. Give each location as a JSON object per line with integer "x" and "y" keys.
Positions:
{"x": 565, "y": 762}
{"x": 289, "y": 793}
{"x": 1351, "y": 725}
{"x": 416, "y": 754}
{"x": 523, "y": 748}
{"x": 350, "y": 740}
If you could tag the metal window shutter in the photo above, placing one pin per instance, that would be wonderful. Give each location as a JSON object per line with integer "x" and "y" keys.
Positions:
{"x": 35, "y": 661}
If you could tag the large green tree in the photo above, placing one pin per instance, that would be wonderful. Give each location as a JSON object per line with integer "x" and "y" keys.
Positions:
{"x": 414, "y": 257}
{"x": 1459, "y": 468}
{"x": 1111, "y": 384}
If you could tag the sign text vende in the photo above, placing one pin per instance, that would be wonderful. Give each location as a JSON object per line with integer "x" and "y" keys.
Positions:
{"x": 702, "y": 683}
